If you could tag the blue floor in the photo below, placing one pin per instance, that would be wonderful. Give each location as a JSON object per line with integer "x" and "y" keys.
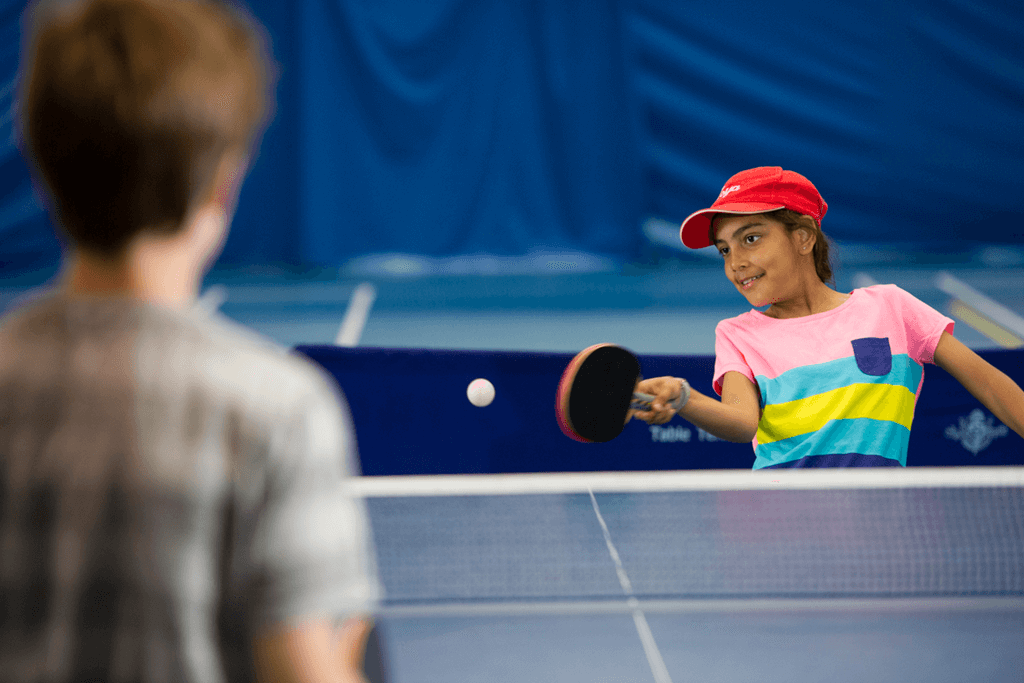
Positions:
{"x": 668, "y": 305}
{"x": 669, "y": 310}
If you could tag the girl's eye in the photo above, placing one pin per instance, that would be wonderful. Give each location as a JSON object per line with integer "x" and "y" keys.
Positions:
{"x": 751, "y": 238}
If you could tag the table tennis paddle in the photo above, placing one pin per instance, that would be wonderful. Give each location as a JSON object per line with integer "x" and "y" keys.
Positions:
{"x": 597, "y": 391}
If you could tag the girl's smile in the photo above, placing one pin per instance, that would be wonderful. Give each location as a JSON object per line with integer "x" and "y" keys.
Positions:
{"x": 749, "y": 282}
{"x": 750, "y": 245}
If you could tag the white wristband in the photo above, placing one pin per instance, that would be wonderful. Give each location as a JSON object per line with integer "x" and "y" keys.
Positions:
{"x": 684, "y": 395}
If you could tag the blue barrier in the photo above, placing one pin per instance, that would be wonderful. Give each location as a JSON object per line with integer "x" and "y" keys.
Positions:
{"x": 412, "y": 416}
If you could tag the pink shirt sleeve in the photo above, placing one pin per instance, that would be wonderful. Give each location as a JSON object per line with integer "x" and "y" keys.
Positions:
{"x": 924, "y": 326}
{"x": 728, "y": 358}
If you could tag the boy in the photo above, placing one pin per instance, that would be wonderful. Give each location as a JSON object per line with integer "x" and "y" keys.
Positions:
{"x": 170, "y": 487}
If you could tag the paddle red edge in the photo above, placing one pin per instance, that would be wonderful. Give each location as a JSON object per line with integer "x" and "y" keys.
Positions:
{"x": 565, "y": 388}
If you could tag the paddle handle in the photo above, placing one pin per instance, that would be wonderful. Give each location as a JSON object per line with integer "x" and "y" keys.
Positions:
{"x": 643, "y": 401}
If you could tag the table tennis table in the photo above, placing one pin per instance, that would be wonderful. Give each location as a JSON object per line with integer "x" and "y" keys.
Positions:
{"x": 907, "y": 575}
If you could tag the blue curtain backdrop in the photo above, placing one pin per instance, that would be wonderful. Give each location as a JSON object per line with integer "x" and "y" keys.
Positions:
{"x": 26, "y": 240}
{"x": 457, "y": 127}
{"x": 908, "y": 116}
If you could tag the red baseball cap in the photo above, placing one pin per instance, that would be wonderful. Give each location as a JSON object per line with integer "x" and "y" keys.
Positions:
{"x": 757, "y": 190}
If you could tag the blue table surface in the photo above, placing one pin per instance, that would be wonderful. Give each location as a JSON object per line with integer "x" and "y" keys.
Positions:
{"x": 787, "y": 644}
{"x": 734, "y": 586}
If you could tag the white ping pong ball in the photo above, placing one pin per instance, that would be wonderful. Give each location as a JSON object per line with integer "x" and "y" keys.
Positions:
{"x": 480, "y": 392}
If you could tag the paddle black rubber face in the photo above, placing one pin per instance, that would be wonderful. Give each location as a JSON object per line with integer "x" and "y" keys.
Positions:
{"x": 601, "y": 393}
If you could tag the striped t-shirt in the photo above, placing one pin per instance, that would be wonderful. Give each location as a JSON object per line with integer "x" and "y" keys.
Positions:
{"x": 838, "y": 388}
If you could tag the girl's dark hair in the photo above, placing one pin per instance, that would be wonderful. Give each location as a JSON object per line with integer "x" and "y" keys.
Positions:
{"x": 794, "y": 221}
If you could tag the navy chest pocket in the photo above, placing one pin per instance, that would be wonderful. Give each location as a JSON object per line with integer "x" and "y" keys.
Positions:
{"x": 873, "y": 355}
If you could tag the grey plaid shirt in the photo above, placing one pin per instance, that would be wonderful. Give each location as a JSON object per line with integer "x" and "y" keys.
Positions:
{"x": 169, "y": 484}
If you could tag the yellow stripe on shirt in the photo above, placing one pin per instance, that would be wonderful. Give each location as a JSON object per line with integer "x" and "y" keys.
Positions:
{"x": 875, "y": 401}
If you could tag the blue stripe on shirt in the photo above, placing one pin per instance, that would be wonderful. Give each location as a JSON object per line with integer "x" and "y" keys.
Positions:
{"x": 862, "y": 435}
{"x": 810, "y": 380}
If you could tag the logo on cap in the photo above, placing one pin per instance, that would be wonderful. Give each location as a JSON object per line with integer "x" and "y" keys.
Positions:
{"x": 727, "y": 190}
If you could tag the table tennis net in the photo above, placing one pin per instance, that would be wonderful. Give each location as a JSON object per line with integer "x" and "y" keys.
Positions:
{"x": 699, "y": 535}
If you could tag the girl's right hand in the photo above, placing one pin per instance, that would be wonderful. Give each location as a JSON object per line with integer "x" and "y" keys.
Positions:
{"x": 665, "y": 390}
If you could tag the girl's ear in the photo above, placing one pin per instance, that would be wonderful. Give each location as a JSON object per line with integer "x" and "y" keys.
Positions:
{"x": 806, "y": 236}
{"x": 804, "y": 240}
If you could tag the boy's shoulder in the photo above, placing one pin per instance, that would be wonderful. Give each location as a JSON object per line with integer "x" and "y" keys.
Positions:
{"x": 191, "y": 348}
{"x": 239, "y": 357}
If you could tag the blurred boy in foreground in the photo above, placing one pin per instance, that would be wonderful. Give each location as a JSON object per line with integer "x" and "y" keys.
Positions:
{"x": 171, "y": 505}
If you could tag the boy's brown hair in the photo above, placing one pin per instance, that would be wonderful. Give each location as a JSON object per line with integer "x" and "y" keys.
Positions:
{"x": 128, "y": 107}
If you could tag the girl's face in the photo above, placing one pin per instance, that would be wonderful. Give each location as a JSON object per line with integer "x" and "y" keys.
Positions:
{"x": 762, "y": 258}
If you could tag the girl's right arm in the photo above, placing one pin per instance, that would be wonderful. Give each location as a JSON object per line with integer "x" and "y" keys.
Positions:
{"x": 734, "y": 418}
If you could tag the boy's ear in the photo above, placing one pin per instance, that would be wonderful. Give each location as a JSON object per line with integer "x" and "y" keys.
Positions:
{"x": 227, "y": 182}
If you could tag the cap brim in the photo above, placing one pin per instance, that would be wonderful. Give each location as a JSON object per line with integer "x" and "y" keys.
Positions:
{"x": 694, "y": 230}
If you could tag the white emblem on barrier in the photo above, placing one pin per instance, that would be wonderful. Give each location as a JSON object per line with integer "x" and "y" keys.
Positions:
{"x": 976, "y": 432}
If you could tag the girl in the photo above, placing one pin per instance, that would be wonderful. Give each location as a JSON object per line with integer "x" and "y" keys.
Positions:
{"x": 820, "y": 378}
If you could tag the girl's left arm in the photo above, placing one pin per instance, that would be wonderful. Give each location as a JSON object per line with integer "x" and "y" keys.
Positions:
{"x": 988, "y": 384}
